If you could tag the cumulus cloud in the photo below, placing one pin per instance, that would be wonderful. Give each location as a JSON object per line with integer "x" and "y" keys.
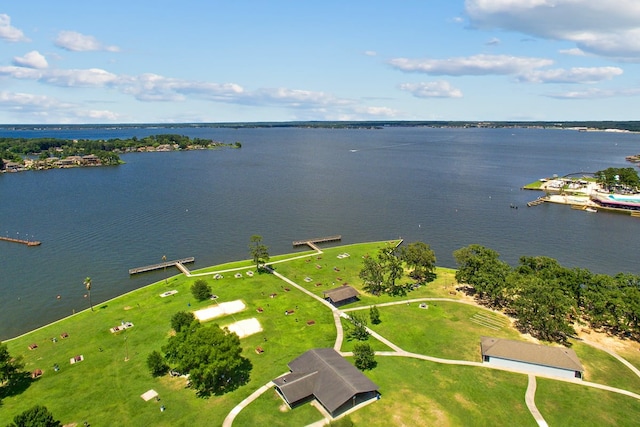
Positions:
{"x": 472, "y": 65}
{"x": 371, "y": 53}
{"x": 8, "y": 32}
{"x": 438, "y": 89}
{"x": 573, "y": 52}
{"x": 572, "y": 75}
{"x": 39, "y": 109}
{"x": 32, "y": 59}
{"x": 595, "y": 26}
{"x": 77, "y": 42}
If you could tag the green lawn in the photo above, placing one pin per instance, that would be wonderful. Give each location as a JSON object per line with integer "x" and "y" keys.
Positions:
{"x": 104, "y": 389}
{"x": 429, "y": 331}
{"x": 564, "y": 404}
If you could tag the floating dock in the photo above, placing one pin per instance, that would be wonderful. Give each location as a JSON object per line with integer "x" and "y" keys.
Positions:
{"x": 24, "y": 242}
{"x": 318, "y": 240}
{"x": 161, "y": 265}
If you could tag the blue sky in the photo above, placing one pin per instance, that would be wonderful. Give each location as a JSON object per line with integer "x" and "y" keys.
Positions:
{"x": 236, "y": 61}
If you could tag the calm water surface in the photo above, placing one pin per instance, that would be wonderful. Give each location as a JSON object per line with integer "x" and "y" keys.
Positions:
{"x": 446, "y": 187}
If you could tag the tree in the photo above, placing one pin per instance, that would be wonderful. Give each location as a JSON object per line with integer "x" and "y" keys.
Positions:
{"x": 259, "y": 252}
{"x": 422, "y": 259}
{"x": 364, "y": 356}
{"x": 542, "y": 309}
{"x": 211, "y": 356}
{"x": 37, "y": 416}
{"x": 201, "y": 290}
{"x": 380, "y": 274}
{"x": 157, "y": 364}
{"x": 87, "y": 285}
{"x": 357, "y": 327}
{"x": 181, "y": 320}
{"x": 374, "y": 315}
{"x": 481, "y": 268}
{"x": 9, "y": 366}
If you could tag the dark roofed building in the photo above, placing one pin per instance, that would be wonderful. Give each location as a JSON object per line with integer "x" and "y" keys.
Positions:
{"x": 342, "y": 295}
{"x": 323, "y": 374}
{"x": 539, "y": 359}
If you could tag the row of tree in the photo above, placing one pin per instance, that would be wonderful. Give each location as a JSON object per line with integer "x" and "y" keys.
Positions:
{"x": 14, "y": 149}
{"x": 616, "y": 178}
{"x": 547, "y": 299}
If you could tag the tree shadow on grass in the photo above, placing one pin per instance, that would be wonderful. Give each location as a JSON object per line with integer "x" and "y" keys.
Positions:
{"x": 16, "y": 386}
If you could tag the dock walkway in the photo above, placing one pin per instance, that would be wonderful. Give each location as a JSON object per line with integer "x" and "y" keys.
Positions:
{"x": 161, "y": 265}
{"x": 318, "y": 240}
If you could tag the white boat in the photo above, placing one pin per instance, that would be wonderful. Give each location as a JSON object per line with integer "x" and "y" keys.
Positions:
{"x": 590, "y": 209}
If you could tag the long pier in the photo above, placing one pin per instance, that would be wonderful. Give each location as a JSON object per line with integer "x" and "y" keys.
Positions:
{"x": 318, "y": 240}
{"x": 24, "y": 242}
{"x": 161, "y": 265}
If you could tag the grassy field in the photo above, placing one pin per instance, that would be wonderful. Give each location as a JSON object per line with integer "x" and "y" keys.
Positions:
{"x": 105, "y": 390}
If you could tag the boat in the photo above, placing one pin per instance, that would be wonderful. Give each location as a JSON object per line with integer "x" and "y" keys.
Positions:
{"x": 590, "y": 209}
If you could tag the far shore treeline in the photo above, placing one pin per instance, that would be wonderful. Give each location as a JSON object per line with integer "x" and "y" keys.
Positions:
{"x": 48, "y": 153}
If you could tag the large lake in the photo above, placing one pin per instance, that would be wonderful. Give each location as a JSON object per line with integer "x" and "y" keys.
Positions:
{"x": 446, "y": 187}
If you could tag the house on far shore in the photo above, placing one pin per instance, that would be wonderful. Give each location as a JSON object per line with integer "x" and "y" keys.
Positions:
{"x": 323, "y": 374}
{"x": 529, "y": 357}
{"x": 341, "y": 296}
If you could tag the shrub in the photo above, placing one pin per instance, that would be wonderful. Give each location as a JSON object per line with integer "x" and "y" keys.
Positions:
{"x": 364, "y": 356}
{"x": 201, "y": 290}
{"x": 156, "y": 364}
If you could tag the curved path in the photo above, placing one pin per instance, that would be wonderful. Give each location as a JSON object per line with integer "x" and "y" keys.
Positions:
{"x": 399, "y": 352}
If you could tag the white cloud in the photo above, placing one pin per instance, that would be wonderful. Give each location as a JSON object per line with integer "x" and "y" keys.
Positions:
{"x": 26, "y": 101}
{"x": 472, "y": 65}
{"x": 595, "y": 93}
{"x": 573, "y": 75}
{"x": 371, "y": 53}
{"x": 92, "y": 77}
{"x": 573, "y": 52}
{"x": 32, "y": 59}
{"x": 9, "y": 33}
{"x": 438, "y": 89}
{"x": 607, "y": 28}
{"x": 76, "y": 42}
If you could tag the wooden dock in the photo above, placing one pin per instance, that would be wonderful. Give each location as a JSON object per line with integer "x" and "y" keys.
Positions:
{"x": 161, "y": 265}
{"x": 24, "y": 242}
{"x": 318, "y": 240}
{"x": 536, "y": 202}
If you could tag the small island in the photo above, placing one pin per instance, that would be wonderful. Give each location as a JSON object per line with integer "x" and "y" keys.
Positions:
{"x": 23, "y": 154}
{"x": 614, "y": 189}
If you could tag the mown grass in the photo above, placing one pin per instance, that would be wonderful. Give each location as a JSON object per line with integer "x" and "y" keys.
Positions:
{"x": 565, "y": 404}
{"x": 104, "y": 389}
{"x": 601, "y": 367}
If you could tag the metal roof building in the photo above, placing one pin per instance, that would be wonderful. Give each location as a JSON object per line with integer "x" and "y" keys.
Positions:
{"x": 340, "y": 296}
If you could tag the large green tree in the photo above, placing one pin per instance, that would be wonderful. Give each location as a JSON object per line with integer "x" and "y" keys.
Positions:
{"x": 37, "y": 416}
{"x": 211, "y": 356}
{"x": 9, "y": 366}
{"x": 542, "y": 309}
{"x": 201, "y": 290}
{"x": 422, "y": 259}
{"x": 381, "y": 274}
{"x": 259, "y": 252}
{"x": 481, "y": 268}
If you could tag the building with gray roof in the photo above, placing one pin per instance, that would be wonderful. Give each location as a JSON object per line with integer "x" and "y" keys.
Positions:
{"x": 529, "y": 357}
{"x": 323, "y": 374}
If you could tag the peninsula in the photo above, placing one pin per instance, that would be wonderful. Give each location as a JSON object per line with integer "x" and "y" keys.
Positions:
{"x": 93, "y": 366}
{"x": 22, "y": 154}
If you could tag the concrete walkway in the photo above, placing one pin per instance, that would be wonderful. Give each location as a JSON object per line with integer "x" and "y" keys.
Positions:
{"x": 239, "y": 407}
{"x": 530, "y": 400}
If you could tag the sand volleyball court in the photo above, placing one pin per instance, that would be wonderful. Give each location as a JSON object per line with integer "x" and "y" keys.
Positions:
{"x": 218, "y": 310}
{"x": 245, "y": 327}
